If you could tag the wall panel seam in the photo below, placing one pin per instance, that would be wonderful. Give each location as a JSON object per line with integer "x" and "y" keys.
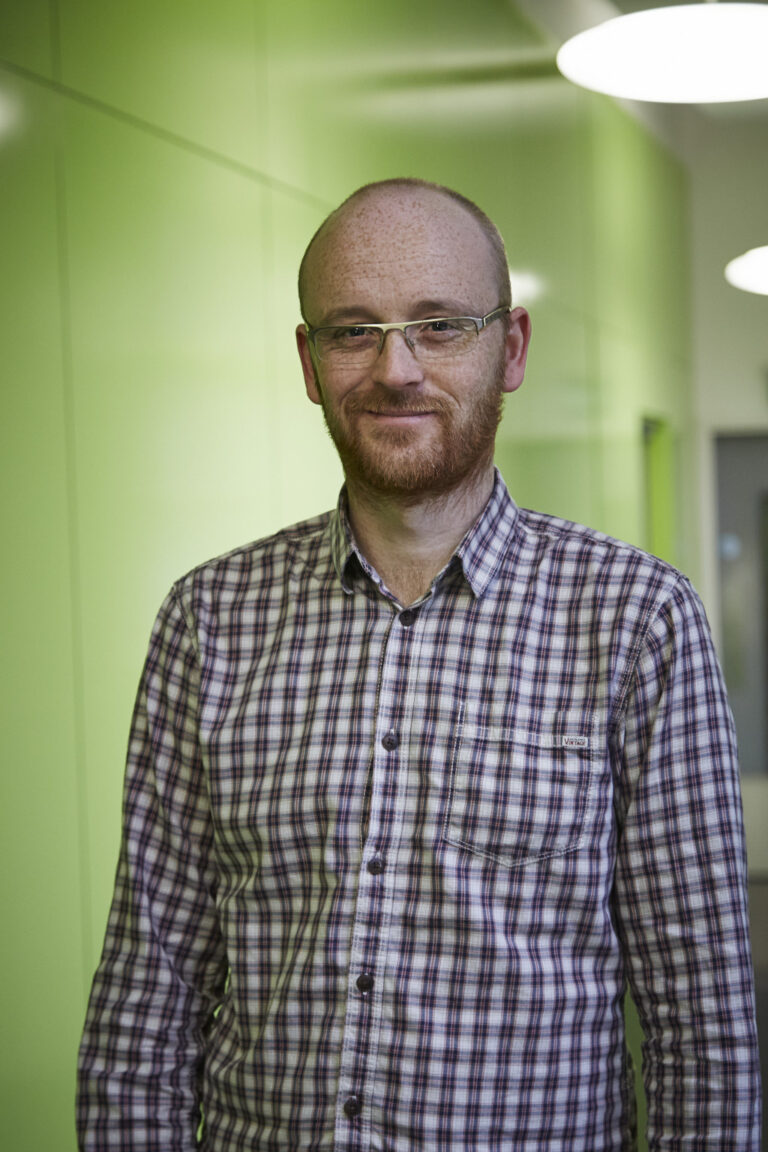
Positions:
{"x": 173, "y": 138}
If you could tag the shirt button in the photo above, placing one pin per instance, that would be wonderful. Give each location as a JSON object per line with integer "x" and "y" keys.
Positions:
{"x": 375, "y": 865}
{"x": 352, "y": 1107}
{"x": 407, "y": 618}
{"x": 364, "y": 982}
{"x": 391, "y": 740}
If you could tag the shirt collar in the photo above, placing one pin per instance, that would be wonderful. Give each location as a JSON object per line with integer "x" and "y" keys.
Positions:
{"x": 479, "y": 553}
{"x": 488, "y": 540}
{"x": 343, "y": 548}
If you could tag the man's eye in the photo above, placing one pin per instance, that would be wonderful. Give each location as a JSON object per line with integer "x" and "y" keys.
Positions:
{"x": 345, "y": 338}
{"x": 440, "y": 330}
{"x": 353, "y": 334}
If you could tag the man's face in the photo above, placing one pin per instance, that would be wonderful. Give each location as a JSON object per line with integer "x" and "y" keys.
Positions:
{"x": 403, "y": 428}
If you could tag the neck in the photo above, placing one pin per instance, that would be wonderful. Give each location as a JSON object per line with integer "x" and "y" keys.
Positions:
{"x": 409, "y": 539}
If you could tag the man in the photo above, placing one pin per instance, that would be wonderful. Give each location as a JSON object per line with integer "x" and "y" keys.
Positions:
{"x": 416, "y": 787}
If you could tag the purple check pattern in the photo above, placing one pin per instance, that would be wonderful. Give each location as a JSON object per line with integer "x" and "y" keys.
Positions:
{"x": 386, "y": 874}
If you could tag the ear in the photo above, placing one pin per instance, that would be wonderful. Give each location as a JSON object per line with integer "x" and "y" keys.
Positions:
{"x": 518, "y": 339}
{"x": 307, "y": 364}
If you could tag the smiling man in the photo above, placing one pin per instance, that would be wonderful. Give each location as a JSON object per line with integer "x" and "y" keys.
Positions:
{"x": 418, "y": 787}
{"x": 413, "y": 410}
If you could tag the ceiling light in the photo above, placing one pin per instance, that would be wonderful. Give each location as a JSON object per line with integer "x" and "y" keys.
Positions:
{"x": 686, "y": 54}
{"x": 750, "y": 271}
{"x": 526, "y": 286}
{"x": 10, "y": 114}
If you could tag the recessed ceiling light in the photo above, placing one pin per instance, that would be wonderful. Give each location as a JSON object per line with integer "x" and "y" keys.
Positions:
{"x": 686, "y": 54}
{"x": 750, "y": 271}
{"x": 526, "y": 286}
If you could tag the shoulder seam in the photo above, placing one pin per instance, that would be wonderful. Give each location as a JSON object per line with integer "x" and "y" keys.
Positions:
{"x": 664, "y": 595}
{"x": 290, "y": 536}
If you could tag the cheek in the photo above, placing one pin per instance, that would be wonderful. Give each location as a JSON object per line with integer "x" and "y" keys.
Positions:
{"x": 332, "y": 394}
{"x": 467, "y": 382}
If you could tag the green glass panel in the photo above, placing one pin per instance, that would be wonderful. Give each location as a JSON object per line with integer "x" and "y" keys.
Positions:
{"x": 42, "y": 953}
{"x": 641, "y": 233}
{"x": 547, "y": 441}
{"x": 642, "y": 311}
{"x": 634, "y": 1043}
{"x": 559, "y": 396}
{"x": 26, "y": 36}
{"x": 552, "y": 475}
{"x": 185, "y": 66}
{"x": 171, "y": 404}
{"x": 343, "y": 79}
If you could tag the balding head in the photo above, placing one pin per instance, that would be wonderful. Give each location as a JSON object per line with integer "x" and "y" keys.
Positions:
{"x": 375, "y": 207}
{"x": 414, "y": 418}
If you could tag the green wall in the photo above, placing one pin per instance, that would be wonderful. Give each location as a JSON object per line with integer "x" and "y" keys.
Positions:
{"x": 162, "y": 165}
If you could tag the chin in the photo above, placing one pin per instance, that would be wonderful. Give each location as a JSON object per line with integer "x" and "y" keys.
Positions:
{"x": 411, "y": 475}
{"x": 405, "y": 463}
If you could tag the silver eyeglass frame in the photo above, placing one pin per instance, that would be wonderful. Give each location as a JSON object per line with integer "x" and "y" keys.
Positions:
{"x": 479, "y": 322}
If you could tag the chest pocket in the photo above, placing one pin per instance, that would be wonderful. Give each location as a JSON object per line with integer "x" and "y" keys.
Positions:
{"x": 522, "y": 794}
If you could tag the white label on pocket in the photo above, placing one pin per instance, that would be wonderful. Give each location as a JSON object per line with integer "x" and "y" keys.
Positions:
{"x": 575, "y": 741}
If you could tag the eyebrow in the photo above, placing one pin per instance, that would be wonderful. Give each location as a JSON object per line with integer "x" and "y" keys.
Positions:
{"x": 423, "y": 310}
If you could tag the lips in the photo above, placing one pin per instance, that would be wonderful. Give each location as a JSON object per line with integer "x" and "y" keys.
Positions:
{"x": 394, "y": 406}
{"x": 400, "y": 412}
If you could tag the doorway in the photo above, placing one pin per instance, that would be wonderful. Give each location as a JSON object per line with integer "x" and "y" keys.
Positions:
{"x": 742, "y": 513}
{"x": 742, "y": 499}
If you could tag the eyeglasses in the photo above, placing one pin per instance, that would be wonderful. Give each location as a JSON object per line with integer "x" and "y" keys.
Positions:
{"x": 439, "y": 338}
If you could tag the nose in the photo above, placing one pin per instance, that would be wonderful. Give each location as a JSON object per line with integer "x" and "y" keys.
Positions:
{"x": 396, "y": 364}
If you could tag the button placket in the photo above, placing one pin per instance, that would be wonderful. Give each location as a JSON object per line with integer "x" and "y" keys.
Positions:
{"x": 374, "y": 907}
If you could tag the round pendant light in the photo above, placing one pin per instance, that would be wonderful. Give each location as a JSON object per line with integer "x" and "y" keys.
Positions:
{"x": 685, "y": 54}
{"x": 750, "y": 271}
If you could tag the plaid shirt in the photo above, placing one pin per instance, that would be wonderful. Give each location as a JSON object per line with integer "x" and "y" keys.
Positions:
{"x": 385, "y": 874}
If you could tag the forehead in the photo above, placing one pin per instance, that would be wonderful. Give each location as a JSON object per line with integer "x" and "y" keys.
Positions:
{"x": 386, "y": 253}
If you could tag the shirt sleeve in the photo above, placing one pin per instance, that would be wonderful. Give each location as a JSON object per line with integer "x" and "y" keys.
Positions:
{"x": 681, "y": 894}
{"x": 163, "y": 965}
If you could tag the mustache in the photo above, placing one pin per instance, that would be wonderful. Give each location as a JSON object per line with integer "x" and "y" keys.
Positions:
{"x": 389, "y": 402}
